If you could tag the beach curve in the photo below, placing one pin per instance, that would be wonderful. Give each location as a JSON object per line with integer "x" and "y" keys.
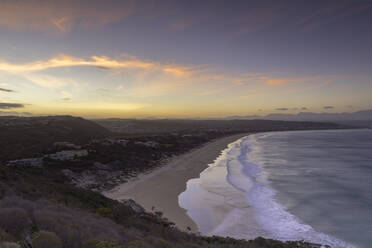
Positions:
{"x": 159, "y": 189}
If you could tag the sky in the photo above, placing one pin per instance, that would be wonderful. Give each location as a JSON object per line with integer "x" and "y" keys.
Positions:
{"x": 183, "y": 59}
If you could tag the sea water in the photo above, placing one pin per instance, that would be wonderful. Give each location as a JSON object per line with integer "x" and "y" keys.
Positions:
{"x": 302, "y": 185}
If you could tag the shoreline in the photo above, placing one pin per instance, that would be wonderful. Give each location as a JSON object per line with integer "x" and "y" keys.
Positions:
{"x": 159, "y": 189}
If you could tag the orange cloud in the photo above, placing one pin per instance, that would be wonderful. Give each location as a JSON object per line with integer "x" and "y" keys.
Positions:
{"x": 69, "y": 61}
{"x": 179, "y": 71}
{"x": 147, "y": 77}
{"x": 275, "y": 81}
{"x": 128, "y": 62}
{"x": 154, "y": 78}
{"x": 59, "y": 16}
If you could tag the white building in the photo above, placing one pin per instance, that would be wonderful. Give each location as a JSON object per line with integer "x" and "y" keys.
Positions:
{"x": 67, "y": 155}
{"x": 33, "y": 162}
{"x": 66, "y": 145}
{"x": 122, "y": 142}
{"x": 152, "y": 144}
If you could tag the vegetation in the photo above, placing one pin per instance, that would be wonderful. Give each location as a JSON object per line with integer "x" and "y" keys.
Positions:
{"x": 45, "y": 239}
{"x": 31, "y": 204}
{"x": 23, "y": 137}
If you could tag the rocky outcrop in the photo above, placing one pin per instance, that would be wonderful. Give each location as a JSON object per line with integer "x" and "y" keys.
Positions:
{"x": 133, "y": 205}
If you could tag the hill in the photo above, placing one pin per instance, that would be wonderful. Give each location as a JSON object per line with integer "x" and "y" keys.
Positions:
{"x": 361, "y": 117}
{"x": 29, "y": 136}
{"x": 161, "y": 126}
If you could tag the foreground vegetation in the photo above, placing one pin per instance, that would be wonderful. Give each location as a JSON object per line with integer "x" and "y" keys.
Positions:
{"x": 41, "y": 212}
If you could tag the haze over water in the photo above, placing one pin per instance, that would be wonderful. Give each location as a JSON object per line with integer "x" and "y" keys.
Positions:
{"x": 311, "y": 185}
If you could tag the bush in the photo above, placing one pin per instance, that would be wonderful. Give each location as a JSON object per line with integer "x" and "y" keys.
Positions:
{"x": 4, "y": 236}
{"x": 138, "y": 244}
{"x": 93, "y": 243}
{"x": 150, "y": 242}
{"x": 45, "y": 239}
{"x": 9, "y": 245}
{"x": 17, "y": 202}
{"x": 14, "y": 220}
{"x": 105, "y": 244}
{"x": 104, "y": 212}
{"x": 74, "y": 226}
{"x": 158, "y": 242}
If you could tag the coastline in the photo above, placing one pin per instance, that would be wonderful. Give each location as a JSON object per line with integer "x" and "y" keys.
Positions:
{"x": 159, "y": 189}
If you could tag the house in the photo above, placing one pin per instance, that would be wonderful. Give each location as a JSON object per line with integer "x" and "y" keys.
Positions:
{"x": 122, "y": 142}
{"x": 109, "y": 141}
{"x": 152, "y": 144}
{"x": 67, "y": 155}
{"x": 66, "y": 145}
{"x": 32, "y": 162}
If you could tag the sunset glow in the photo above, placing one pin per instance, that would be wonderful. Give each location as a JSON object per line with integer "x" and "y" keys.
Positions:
{"x": 130, "y": 59}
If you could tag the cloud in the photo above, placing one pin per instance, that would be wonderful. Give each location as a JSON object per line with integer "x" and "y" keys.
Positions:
{"x": 140, "y": 75}
{"x": 4, "y": 105}
{"x": 14, "y": 113}
{"x": 276, "y": 81}
{"x": 60, "y": 16}
{"x": 66, "y": 95}
{"x": 95, "y": 61}
{"x": 281, "y": 109}
{"x": 143, "y": 78}
{"x": 131, "y": 62}
{"x": 6, "y": 90}
{"x": 48, "y": 81}
{"x": 328, "y": 107}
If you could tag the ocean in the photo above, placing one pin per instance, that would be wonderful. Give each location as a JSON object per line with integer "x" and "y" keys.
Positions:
{"x": 302, "y": 185}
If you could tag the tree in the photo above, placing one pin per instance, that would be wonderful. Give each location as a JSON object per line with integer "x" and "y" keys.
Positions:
{"x": 45, "y": 239}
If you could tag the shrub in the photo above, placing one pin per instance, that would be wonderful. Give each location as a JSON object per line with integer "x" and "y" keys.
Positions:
{"x": 4, "y": 236}
{"x": 159, "y": 213}
{"x": 92, "y": 243}
{"x": 45, "y": 239}
{"x": 138, "y": 244}
{"x": 9, "y": 245}
{"x": 158, "y": 242}
{"x": 13, "y": 220}
{"x": 74, "y": 226}
{"x": 17, "y": 202}
{"x": 104, "y": 212}
{"x": 105, "y": 244}
{"x": 150, "y": 242}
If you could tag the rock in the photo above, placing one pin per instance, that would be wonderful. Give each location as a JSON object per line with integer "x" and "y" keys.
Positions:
{"x": 101, "y": 166}
{"x": 135, "y": 206}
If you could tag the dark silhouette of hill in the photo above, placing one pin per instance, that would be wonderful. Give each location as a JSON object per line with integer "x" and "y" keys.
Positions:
{"x": 22, "y": 137}
{"x": 143, "y": 126}
{"x": 364, "y": 115}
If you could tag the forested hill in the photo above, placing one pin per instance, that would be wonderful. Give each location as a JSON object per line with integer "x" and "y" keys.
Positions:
{"x": 159, "y": 126}
{"x": 26, "y": 136}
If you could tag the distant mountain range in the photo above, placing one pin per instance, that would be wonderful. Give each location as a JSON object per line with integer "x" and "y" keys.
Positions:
{"x": 365, "y": 115}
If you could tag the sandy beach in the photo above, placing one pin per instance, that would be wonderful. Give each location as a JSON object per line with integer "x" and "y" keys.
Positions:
{"x": 161, "y": 187}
